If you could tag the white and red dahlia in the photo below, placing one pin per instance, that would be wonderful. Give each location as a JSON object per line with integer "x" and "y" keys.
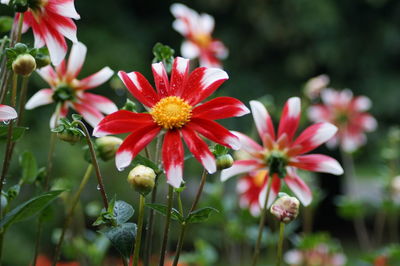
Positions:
{"x": 348, "y": 113}
{"x": 282, "y": 154}
{"x": 7, "y": 113}
{"x": 174, "y": 109}
{"x": 249, "y": 188}
{"x": 69, "y": 92}
{"x": 197, "y": 29}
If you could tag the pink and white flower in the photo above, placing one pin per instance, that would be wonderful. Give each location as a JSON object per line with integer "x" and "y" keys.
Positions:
{"x": 7, "y": 113}
{"x": 321, "y": 255}
{"x": 249, "y": 188}
{"x": 281, "y": 154}
{"x": 348, "y": 113}
{"x": 69, "y": 92}
{"x": 174, "y": 108}
{"x": 197, "y": 29}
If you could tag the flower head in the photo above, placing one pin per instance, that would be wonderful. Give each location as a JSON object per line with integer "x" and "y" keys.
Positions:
{"x": 69, "y": 92}
{"x": 281, "y": 154}
{"x": 249, "y": 188}
{"x": 7, "y": 113}
{"x": 348, "y": 113}
{"x": 51, "y": 21}
{"x": 197, "y": 29}
{"x": 174, "y": 108}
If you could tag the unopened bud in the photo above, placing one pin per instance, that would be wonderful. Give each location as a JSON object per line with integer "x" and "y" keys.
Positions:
{"x": 142, "y": 178}
{"x": 285, "y": 208}
{"x": 107, "y": 147}
{"x": 24, "y": 65}
{"x": 224, "y": 161}
{"x": 68, "y": 137}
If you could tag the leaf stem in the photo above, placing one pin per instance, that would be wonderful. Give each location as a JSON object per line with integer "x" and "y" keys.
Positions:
{"x": 170, "y": 199}
{"x": 138, "y": 239}
{"x": 280, "y": 243}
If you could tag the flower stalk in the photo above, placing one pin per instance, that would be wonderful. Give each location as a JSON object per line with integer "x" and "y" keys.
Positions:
{"x": 280, "y": 243}
{"x": 170, "y": 199}
{"x": 138, "y": 238}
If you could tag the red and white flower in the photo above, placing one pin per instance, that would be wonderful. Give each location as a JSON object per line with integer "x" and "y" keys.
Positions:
{"x": 348, "y": 113}
{"x": 7, "y": 113}
{"x": 249, "y": 188}
{"x": 321, "y": 255}
{"x": 51, "y": 21}
{"x": 69, "y": 92}
{"x": 281, "y": 154}
{"x": 174, "y": 108}
{"x": 197, "y": 29}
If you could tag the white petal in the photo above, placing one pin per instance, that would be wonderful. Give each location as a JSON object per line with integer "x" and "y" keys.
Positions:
{"x": 123, "y": 159}
{"x": 67, "y": 9}
{"x": 42, "y": 97}
{"x": 189, "y": 50}
{"x": 7, "y": 113}
{"x": 76, "y": 59}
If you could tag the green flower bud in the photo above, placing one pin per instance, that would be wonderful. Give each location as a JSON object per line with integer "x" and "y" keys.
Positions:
{"x": 285, "y": 208}
{"x": 24, "y": 65}
{"x": 142, "y": 179}
{"x": 224, "y": 161}
{"x": 68, "y": 136}
{"x": 107, "y": 147}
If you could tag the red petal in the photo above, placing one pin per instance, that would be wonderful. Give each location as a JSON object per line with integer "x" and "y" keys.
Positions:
{"x": 173, "y": 156}
{"x": 299, "y": 188}
{"x": 290, "y": 118}
{"x": 160, "y": 79}
{"x": 179, "y": 76}
{"x": 220, "y": 108}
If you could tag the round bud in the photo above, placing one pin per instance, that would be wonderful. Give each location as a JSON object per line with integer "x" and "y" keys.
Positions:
{"x": 24, "y": 65}
{"x": 68, "y": 137}
{"x": 285, "y": 208}
{"x": 107, "y": 147}
{"x": 224, "y": 161}
{"x": 142, "y": 178}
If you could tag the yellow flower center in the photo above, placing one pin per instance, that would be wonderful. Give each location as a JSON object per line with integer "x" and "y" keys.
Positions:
{"x": 260, "y": 177}
{"x": 171, "y": 112}
{"x": 203, "y": 40}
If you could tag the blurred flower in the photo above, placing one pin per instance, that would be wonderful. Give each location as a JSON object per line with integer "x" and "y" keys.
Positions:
{"x": 395, "y": 189}
{"x": 321, "y": 255}
{"x": 249, "y": 188}
{"x": 281, "y": 154}
{"x": 348, "y": 113}
{"x": 70, "y": 92}
{"x": 51, "y": 21}
{"x": 173, "y": 109}
{"x": 7, "y": 113}
{"x": 315, "y": 85}
{"x": 197, "y": 30}
{"x": 285, "y": 208}
{"x": 42, "y": 260}
{"x": 381, "y": 260}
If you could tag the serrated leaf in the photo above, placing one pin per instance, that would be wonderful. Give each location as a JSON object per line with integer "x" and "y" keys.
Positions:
{"x": 18, "y": 132}
{"x": 122, "y": 237}
{"x": 146, "y": 162}
{"x": 29, "y": 208}
{"x": 29, "y": 167}
{"x": 200, "y": 215}
{"x": 123, "y": 211}
{"x": 161, "y": 208}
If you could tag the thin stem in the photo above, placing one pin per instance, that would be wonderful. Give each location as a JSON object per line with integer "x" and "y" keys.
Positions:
{"x": 362, "y": 233}
{"x": 170, "y": 199}
{"x": 280, "y": 243}
{"x": 349, "y": 174}
{"x": 180, "y": 206}
{"x": 138, "y": 239}
{"x": 262, "y": 223}
{"x": 95, "y": 162}
{"x": 70, "y": 212}
{"x": 20, "y": 23}
{"x": 379, "y": 227}
{"x": 393, "y": 228}
{"x": 184, "y": 225}
{"x": 22, "y": 99}
{"x": 308, "y": 213}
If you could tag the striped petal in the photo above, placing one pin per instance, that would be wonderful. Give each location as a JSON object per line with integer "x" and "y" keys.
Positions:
{"x": 76, "y": 59}
{"x": 133, "y": 144}
{"x": 247, "y": 144}
{"x": 48, "y": 74}
{"x": 215, "y": 132}
{"x": 179, "y": 75}
{"x": 202, "y": 83}
{"x": 220, "y": 108}
{"x": 189, "y": 50}
{"x": 275, "y": 188}
{"x": 64, "y": 8}
{"x": 317, "y": 163}
{"x": 122, "y": 122}
{"x": 262, "y": 120}
{"x": 173, "y": 157}
{"x": 290, "y": 118}
{"x": 240, "y": 167}
{"x": 101, "y": 103}
{"x": 96, "y": 79}
{"x": 160, "y": 79}
{"x": 299, "y": 188}
{"x": 199, "y": 149}
{"x": 42, "y": 97}
{"x": 7, "y": 113}
{"x": 139, "y": 87}
{"x": 89, "y": 113}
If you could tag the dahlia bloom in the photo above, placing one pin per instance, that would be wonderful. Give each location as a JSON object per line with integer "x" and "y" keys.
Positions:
{"x": 249, "y": 188}
{"x": 197, "y": 30}
{"x": 69, "y": 92}
{"x": 281, "y": 154}
{"x": 321, "y": 255}
{"x": 51, "y": 21}
{"x": 174, "y": 109}
{"x": 7, "y": 113}
{"x": 348, "y": 113}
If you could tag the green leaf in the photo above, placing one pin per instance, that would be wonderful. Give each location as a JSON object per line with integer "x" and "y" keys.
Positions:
{"x": 5, "y": 23}
{"x": 121, "y": 237}
{"x": 161, "y": 208}
{"x": 76, "y": 117}
{"x": 123, "y": 211}
{"x": 18, "y": 132}
{"x": 146, "y": 162}
{"x": 29, "y": 208}
{"x": 200, "y": 215}
{"x": 29, "y": 167}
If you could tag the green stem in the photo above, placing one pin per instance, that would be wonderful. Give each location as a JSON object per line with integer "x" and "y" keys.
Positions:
{"x": 20, "y": 23}
{"x": 70, "y": 212}
{"x": 180, "y": 206}
{"x": 262, "y": 223}
{"x": 280, "y": 243}
{"x": 22, "y": 99}
{"x": 170, "y": 199}
{"x": 138, "y": 239}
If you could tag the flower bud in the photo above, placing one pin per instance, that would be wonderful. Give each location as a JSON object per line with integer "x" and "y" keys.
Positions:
{"x": 24, "y": 65}
{"x": 142, "y": 178}
{"x": 285, "y": 208}
{"x": 224, "y": 161}
{"x": 107, "y": 147}
{"x": 68, "y": 137}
